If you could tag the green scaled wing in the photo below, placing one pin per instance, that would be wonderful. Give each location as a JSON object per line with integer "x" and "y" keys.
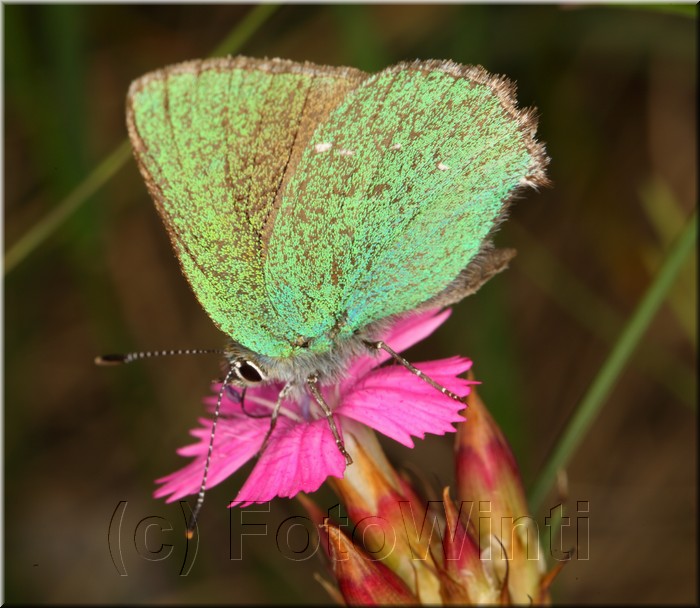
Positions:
{"x": 395, "y": 194}
{"x": 216, "y": 142}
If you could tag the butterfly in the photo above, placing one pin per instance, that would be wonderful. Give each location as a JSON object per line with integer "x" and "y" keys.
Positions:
{"x": 309, "y": 206}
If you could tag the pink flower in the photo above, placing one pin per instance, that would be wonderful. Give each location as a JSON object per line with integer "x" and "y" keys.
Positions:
{"x": 301, "y": 453}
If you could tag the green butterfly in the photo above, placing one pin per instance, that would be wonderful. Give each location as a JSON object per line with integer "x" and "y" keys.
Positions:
{"x": 310, "y": 204}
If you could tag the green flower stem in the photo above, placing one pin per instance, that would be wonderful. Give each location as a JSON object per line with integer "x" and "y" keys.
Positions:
{"x": 601, "y": 386}
{"x": 51, "y": 222}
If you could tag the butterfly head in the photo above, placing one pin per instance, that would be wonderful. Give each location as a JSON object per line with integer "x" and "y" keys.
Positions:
{"x": 330, "y": 365}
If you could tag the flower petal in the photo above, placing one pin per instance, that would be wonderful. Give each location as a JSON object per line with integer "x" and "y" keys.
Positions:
{"x": 258, "y": 400}
{"x": 407, "y": 331}
{"x": 237, "y": 441}
{"x": 302, "y": 453}
{"x": 414, "y": 327}
{"x": 401, "y": 405}
{"x": 299, "y": 458}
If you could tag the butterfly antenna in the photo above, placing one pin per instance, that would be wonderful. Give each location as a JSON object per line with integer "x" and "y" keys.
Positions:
{"x": 207, "y": 464}
{"x": 414, "y": 370}
{"x": 121, "y": 359}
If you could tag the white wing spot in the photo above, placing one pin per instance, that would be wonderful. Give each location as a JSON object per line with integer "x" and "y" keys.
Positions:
{"x": 395, "y": 147}
{"x": 442, "y": 167}
{"x": 345, "y": 152}
{"x": 324, "y": 147}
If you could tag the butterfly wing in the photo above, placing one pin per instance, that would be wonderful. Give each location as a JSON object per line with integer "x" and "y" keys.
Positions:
{"x": 396, "y": 193}
{"x": 215, "y": 141}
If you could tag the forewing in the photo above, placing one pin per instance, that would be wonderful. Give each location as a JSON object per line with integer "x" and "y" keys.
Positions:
{"x": 215, "y": 141}
{"x": 396, "y": 192}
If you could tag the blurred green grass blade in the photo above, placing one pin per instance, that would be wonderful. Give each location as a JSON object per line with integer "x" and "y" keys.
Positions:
{"x": 245, "y": 30}
{"x": 46, "y": 226}
{"x": 595, "y": 314}
{"x": 601, "y": 386}
{"x": 666, "y": 216}
{"x": 662, "y": 209}
{"x": 51, "y": 222}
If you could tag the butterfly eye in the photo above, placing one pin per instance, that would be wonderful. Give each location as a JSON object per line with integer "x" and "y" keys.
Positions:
{"x": 249, "y": 372}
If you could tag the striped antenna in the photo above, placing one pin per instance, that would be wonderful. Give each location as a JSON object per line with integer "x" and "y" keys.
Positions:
{"x": 203, "y": 486}
{"x": 121, "y": 359}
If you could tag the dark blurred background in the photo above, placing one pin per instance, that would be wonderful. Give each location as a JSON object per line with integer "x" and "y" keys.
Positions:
{"x": 616, "y": 91}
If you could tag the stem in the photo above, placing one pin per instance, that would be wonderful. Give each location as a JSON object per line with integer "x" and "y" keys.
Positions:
{"x": 603, "y": 383}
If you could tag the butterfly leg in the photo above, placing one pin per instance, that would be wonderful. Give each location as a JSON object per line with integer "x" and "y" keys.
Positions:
{"x": 312, "y": 383}
{"x": 275, "y": 415}
{"x": 414, "y": 370}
